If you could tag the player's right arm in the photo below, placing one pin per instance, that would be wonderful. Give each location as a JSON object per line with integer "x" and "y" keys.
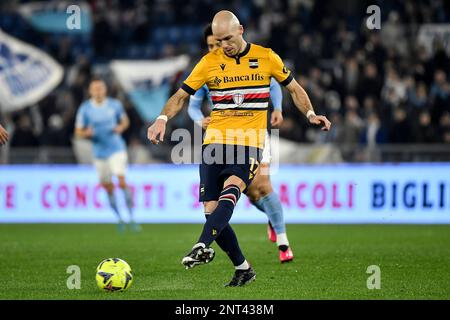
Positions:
{"x": 156, "y": 131}
{"x": 84, "y": 133}
{"x": 3, "y": 135}
{"x": 195, "y": 81}
{"x": 82, "y": 130}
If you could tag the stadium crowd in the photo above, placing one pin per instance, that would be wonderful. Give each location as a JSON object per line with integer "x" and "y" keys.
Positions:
{"x": 376, "y": 86}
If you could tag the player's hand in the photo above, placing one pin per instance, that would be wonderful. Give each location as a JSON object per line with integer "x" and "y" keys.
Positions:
{"x": 88, "y": 133}
{"x": 118, "y": 129}
{"x": 276, "y": 119}
{"x": 155, "y": 132}
{"x": 321, "y": 121}
{"x": 205, "y": 122}
{"x": 3, "y": 136}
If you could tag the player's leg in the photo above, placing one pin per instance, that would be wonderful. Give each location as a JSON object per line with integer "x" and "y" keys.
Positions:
{"x": 227, "y": 240}
{"x": 254, "y": 195}
{"x": 118, "y": 163}
{"x": 259, "y": 182}
{"x": 208, "y": 194}
{"x": 217, "y": 228}
{"x": 129, "y": 202}
{"x": 221, "y": 186}
{"x": 220, "y": 212}
{"x": 105, "y": 177}
{"x": 229, "y": 195}
{"x": 264, "y": 198}
{"x": 271, "y": 205}
{"x": 239, "y": 168}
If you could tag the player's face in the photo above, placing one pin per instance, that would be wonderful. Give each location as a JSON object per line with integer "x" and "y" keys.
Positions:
{"x": 212, "y": 43}
{"x": 231, "y": 41}
{"x": 97, "y": 90}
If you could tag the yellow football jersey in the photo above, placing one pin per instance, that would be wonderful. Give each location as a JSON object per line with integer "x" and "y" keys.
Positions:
{"x": 239, "y": 88}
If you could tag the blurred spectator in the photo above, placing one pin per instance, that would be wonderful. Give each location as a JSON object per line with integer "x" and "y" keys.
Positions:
{"x": 351, "y": 75}
{"x": 371, "y": 82}
{"x": 394, "y": 90}
{"x": 401, "y": 130}
{"x": 374, "y": 132}
{"x": 23, "y": 134}
{"x": 391, "y": 89}
{"x": 440, "y": 95}
{"x": 425, "y": 131}
{"x": 417, "y": 96}
{"x": 353, "y": 124}
{"x": 393, "y": 34}
{"x": 444, "y": 127}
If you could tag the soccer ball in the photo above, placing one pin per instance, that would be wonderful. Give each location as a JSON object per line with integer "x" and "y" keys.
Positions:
{"x": 114, "y": 274}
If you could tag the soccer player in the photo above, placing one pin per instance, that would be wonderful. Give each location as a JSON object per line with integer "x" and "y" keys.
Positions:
{"x": 238, "y": 78}
{"x": 260, "y": 191}
{"x": 3, "y": 135}
{"x": 103, "y": 119}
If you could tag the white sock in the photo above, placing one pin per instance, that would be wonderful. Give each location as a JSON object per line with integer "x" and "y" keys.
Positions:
{"x": 200, "y": 244}
{"x": 243, "y": 266}
{"x": 282, "y": 240}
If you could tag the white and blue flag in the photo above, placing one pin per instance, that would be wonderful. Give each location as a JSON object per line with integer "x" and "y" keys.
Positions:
{"x": 147, "y": 82}
{"x": 27, "y": 74}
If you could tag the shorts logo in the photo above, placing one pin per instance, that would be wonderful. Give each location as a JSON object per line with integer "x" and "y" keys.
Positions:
{"x": 285, "y": 70}
{"x": 253, "y": 63}
{"x": 214, "y": 232}
{"x": 238, "y": 98}
{"x": 202, "y": 190}
{"x": 217, "y": 81}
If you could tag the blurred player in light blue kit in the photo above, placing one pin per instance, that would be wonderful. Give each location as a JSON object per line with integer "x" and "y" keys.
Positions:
{"x": 260, "y": 191}
{"x": 102, "y": 120}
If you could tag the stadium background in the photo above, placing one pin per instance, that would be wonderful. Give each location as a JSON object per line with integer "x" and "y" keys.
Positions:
{"x": 385, "y": 160}
{"x": 386, "y": 92}
{"x": 362, "y": 79}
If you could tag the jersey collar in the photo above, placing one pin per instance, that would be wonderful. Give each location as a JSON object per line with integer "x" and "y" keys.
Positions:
{"x": 237, "y": 58}
{"x": 246, "y": 50}
{"x": 95, "y": 104}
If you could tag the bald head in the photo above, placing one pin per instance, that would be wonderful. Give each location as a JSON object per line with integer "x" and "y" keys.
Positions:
{"x": 228, "y": 30}
{"x": 224, "y": 22}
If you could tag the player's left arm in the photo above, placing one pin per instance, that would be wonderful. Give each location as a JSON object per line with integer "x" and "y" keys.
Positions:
{"x": 298, "y": 94}
{"x": 276, "y": 96}
{"x": 123, "y": 125}
{"x": 124, "y": 121}
{"x": 303, "y": 103}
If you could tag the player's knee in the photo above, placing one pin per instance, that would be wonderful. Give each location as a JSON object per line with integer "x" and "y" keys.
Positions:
{"x": 122, "y": 182}
{"x": 253, "y": 193}
{"x": 108, "y": 186}
{"x": 265, "y": 188}
{"x": 209, "y": 206}
{"x": 234, "y": 180}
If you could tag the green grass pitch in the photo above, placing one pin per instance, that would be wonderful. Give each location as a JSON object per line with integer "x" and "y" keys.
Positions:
{"x": 330, "y": 262}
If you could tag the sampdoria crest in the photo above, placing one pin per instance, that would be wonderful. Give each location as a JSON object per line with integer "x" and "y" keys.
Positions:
{"x": 238, "y": 98}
